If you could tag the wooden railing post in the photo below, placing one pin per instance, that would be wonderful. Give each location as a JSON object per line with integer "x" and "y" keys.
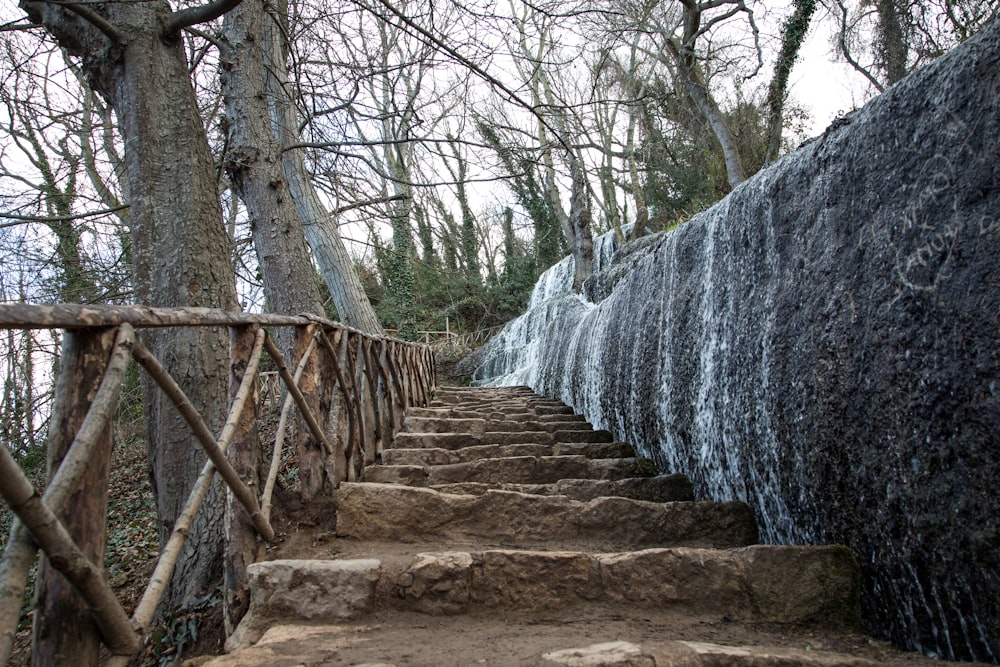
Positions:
{"x": 242, "y": 545}
{"x": 366, "y": 407}
{"x": 392, "y": 387}
{"x": 64, "y": 630}
{"x": 312, "y": 459}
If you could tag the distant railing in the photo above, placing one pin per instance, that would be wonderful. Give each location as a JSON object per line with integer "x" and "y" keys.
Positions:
{"x": 377, "y": 378}
{"x": 452, "y": 341}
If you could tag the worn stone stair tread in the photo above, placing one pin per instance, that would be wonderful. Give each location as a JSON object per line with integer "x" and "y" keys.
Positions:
{"x": 696, "y": 654}
{"x": 479, "y": 425}
{"x": 407, "y": 440}
{"x": 515, "y": 469}
{"x": 759, "y": 583}
{"x": 659, "y": 488}
{"x": 369, "y": 511}
{"x": 402, "y": 639}
{"x": 518, "y": 437}
{"x": 520, "y": 413}
{"x": 432, "y": 456}
{"x": 812, "y": 584}
{"x": 446, "y": 424}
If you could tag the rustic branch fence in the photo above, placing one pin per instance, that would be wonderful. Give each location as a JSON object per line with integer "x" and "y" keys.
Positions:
{"x": 453, "y": 341}
{"x": 350, "y": 390}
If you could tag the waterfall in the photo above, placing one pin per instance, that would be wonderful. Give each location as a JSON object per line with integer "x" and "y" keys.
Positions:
{"x": 822, "y": 344}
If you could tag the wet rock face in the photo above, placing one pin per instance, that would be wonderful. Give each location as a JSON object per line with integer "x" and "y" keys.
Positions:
{"x": 825, "y": 345}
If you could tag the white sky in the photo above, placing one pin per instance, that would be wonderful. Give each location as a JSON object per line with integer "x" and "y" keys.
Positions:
{"x": 826, "y": 88}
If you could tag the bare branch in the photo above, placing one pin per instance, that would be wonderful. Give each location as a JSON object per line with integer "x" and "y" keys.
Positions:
{"x": 93, "y": 18}
{"x": 436, "y": 42}
{"x": 22, "y": 219}
{"x": 185, "y": 18}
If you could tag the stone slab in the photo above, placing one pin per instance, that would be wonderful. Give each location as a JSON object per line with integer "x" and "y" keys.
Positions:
{"x": 285, "y": 591}
{"x": 391, "y": 512}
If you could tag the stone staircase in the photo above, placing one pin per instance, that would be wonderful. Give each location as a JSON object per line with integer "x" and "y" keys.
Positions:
{"x": 502, "y": 529}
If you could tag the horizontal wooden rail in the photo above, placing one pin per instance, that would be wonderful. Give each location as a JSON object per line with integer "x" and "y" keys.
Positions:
{"x": 350, "y": 390}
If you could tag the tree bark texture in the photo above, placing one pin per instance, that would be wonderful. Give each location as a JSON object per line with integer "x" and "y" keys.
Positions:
{"x": 892, "y": 39}
{"x": 335, "y": 265}
{"x": 64, "y": 630}
{"x": 582, "y": 240}
{"x": 254, "y": 165}
{"x": 793, "y": 33}
{"x": 713, "y": 116}
{"x": 134, "y": 58}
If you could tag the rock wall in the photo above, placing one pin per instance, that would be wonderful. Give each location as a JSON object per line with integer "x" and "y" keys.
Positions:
{"x": 825, "y": 345}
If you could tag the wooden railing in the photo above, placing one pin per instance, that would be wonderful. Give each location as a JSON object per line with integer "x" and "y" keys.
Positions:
{"x": 350, "y": 390}
{"x": 453, "y": 341}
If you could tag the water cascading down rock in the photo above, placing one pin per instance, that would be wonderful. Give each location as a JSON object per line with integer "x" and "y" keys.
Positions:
{"x": 824, "y": 344}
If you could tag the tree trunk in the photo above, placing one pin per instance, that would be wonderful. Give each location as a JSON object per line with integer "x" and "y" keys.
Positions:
{"x": 892, "y": 41}
{"x": 580, "y": 218}
{"x": 254, "y": 165}
{"x": 335, "y": 264}
{"x": 133, "y": 56}
{"x": 792, "y": 35}
{"x": 706, "y": 105}
{"x": 64, "y": 629}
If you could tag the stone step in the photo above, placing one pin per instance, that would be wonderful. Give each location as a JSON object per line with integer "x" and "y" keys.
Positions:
{"x": 554, "y": 410}
{"x": 697, "y": 654}
{"x": 436, "y": 456}
{"x": 412, "y": 640}
{"x": 658, "y": 489}
{"x": 513, "y": 414}
{"x": 541, "y": 437}
{"x": 477, "y": 426}
{"x": 445, "y": 399}
{"x": 480, "y": 391}
{"x": 511, "y": 470}
{"x": 390, "y": 512}
{"x": 412, "y": 424}
{"x": 794, "y": 585}
{"x": 818, "y": 585}
{"x": 519, "y": 437}
{"x": 483, "y": 391}
{"x": 406, "y": 440}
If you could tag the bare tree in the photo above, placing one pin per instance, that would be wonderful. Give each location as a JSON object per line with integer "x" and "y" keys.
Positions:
{"x": 132, "y": 55}
{"x": 884, "y": 40}
{"x": 335, "y": 264}
{"x": 253, "y": 162}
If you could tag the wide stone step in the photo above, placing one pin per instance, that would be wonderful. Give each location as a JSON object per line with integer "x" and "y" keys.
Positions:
{"x": 553, "y": 410}
{"x": 560, "y": 435}
{"x": 764, "y": 583}
{"x": 407, "y": 440}
{"x": 449, "y": 424}
{"x": 436, "y": 456}
{"x": 520, "y": 470}
{"x": 494, "y": 403}
{"x": 447, "y": 413}
{"x": 518, "y": 437}
{"x": 358, "y": 644}
{"x": 800, "y": 585}
{"x": 390, "y": 512}
{"x": 489, "y": 393}
{"x": 477, "y": 426}
{"x": 658, "y": 489}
